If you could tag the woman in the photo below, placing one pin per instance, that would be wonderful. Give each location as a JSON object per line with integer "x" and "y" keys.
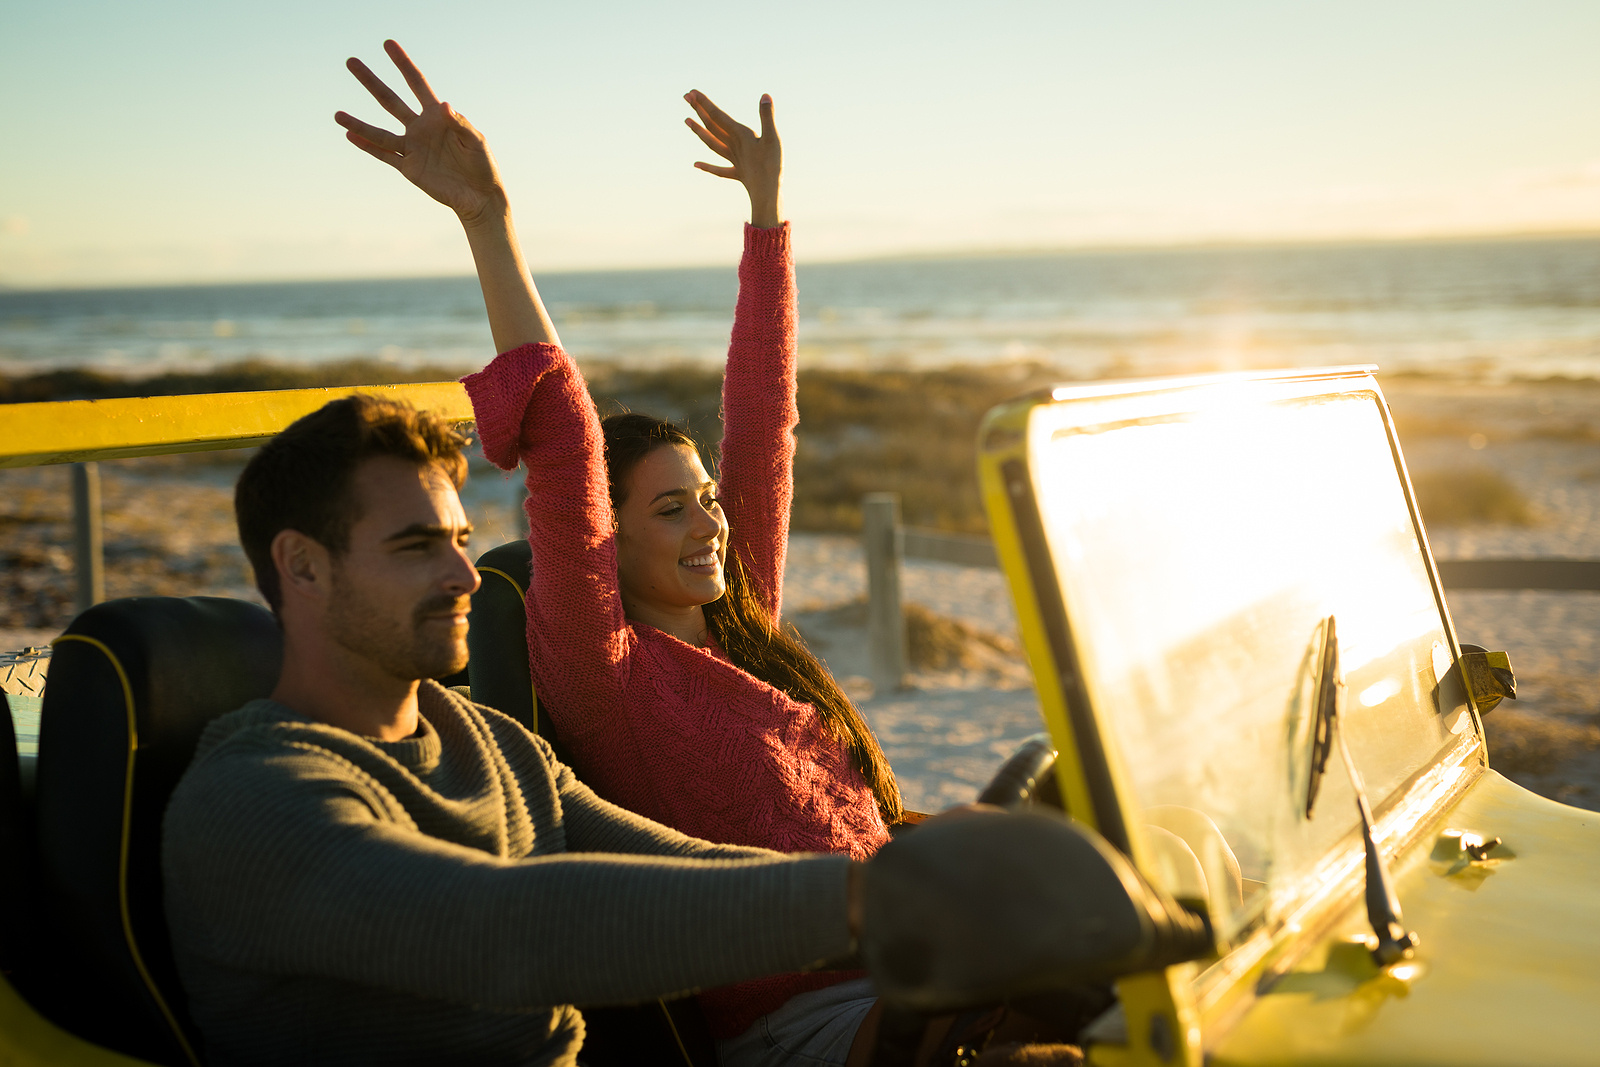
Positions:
{"x": 652, "y": 612}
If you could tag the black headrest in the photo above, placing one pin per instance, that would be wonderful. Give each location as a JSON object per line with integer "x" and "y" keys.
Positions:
{"x": 132, "y": 685}
{"x": 498, "y": 637}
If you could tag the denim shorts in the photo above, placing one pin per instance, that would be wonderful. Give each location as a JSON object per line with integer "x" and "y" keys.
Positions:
{"x": 812, "y": 1029}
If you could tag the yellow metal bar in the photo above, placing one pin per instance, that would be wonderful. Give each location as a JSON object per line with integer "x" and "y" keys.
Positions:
{"x": 71, "y": 431}
{"x": 28, "y": 1039}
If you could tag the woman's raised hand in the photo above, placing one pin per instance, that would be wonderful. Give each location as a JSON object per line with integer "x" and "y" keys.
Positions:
{"x": 440, "y": 152}
{"x": 756, "y": 161}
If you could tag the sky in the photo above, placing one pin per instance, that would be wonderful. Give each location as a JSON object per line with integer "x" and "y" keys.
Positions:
{"x": 186, "y": 142}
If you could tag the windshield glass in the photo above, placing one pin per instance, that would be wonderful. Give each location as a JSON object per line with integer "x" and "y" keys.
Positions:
{"x": 1199, "y": 553}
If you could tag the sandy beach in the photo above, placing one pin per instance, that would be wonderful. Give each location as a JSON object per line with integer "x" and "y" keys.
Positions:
{"x": 169, "y": 530}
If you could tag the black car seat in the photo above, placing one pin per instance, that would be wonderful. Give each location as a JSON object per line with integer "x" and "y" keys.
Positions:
{"x": 498, "y": 637}
{"x": 19, "y": 901}
{"x": 132, "y": 685}
{"x": 27, "y": 947}
{"x": 664, "y": 1032}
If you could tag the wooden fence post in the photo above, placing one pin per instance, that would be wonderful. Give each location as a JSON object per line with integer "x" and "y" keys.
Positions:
{"x": 88, "y": 550}
{"x": 881, "y": 539}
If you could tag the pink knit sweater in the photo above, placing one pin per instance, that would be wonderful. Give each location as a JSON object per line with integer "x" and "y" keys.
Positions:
{"x": 674, "y": 732}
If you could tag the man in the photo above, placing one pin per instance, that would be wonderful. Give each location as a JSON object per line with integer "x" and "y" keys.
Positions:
{"x": 367, "y": 867}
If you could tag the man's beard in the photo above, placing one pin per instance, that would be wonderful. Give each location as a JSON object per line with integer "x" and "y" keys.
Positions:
{"x": 405, "y": 647}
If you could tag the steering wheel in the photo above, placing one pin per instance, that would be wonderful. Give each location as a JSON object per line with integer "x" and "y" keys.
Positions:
{"x": 1027, "y": 778}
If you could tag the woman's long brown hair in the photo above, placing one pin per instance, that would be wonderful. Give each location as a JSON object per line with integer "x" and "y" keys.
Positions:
{"x": 739, "y": 623}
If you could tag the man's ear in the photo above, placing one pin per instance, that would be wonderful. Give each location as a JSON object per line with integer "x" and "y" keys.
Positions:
{"x": 305, "y": 567}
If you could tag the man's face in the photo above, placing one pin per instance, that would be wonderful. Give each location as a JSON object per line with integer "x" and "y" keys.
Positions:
{"x": 401, "y": 592}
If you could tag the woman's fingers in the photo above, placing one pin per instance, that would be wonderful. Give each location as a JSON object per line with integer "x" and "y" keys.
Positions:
{"x": 385, "y": 96}
{"x": 714, "y": 116}
{"x": 408, "y": 70}
{"x": 767, "y": 128}
{"x": 711, "y": 142}
{"x": 705, "y": 116}
{"x": 383, "y": 139}
{"x": 391, "y": 158}
{"x": 715, "y": 113}
{"x": 721, "y": 172}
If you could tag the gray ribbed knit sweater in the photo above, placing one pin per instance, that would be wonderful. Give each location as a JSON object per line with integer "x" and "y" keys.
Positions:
{"x": 443, "y": 899}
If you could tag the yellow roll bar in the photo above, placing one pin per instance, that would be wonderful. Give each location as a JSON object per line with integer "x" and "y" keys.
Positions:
{"x": 73, "y": 431}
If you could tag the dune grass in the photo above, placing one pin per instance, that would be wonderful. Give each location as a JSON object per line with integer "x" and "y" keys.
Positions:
{"x": 1467, "y": 495}
{"x": 1413, "y": 426}
{"x": 934, "y": 642}
{"x": 940, "y": 643}
{"x": 252, "y": 375}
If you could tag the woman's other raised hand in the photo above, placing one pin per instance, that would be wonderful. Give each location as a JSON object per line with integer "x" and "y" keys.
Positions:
{"x": 440, "y": 152}
{"x": 755, "y": 161}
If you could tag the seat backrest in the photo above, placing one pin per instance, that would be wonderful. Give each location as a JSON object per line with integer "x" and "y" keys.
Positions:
{"x": 18, "y": 896}
{"x": 663, "y": 1032}
{"x": 132, "y": 685}
{"x": 498, "y": 637}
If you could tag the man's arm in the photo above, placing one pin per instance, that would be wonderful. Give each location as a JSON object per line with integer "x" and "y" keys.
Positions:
{"x": 277, "y": 864}
{"x": 594, "y": 824}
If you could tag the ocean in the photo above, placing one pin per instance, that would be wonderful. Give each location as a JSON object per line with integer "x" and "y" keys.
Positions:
{"x": 1483, "y": 309}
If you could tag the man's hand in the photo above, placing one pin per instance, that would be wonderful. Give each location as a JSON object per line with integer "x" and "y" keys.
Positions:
{"x": 757, "y": 162}
{"x": 440, "y": 152}
{"x": 980, "y": 905}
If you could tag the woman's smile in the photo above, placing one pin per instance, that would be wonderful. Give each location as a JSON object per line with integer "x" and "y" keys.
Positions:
{"x": 705, "y": 562}
{"x": 702, "y": 578}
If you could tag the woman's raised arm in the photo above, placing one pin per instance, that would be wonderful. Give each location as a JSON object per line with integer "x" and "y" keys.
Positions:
{"x": 758, "y": 391}
{"x": 443, "y": 155}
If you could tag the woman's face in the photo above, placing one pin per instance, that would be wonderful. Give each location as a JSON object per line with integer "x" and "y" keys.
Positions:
{"x": 672, "y": 537}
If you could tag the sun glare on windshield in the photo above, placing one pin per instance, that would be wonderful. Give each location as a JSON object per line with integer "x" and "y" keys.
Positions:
{"x": 1198, "y": 553}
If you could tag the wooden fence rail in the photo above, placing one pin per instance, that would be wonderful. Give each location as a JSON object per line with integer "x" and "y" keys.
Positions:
{"x": 1563, "y": 575}
{"x": 885, "y": 548}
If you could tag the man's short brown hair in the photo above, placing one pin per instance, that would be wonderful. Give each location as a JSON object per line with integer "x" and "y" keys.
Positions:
{"x": 302, "y": 479}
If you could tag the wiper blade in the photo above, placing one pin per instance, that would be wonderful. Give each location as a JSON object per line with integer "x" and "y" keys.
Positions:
{"x": 1394, "y": 941}
{"x": 1327, "y": 711}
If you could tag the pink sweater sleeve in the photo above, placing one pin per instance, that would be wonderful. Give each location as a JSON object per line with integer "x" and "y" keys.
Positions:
{"x": 759, "y": 412}
{"x": 532, "y": 405}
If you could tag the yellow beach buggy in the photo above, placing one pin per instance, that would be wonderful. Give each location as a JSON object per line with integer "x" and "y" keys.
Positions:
{"x": 1244, "y": 660}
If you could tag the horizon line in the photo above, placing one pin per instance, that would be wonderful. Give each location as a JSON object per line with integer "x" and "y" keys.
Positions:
{"x": 956, "y": 253}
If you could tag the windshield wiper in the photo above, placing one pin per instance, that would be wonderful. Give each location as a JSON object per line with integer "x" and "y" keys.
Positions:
{"x": 1327, "y": 711}
{"x": 1394, "y": 941}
